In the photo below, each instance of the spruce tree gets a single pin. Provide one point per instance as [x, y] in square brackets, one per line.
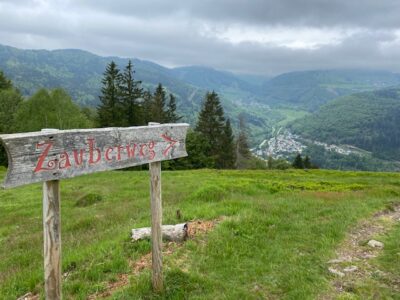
[5, 83]
[146, 107]
[270, 162]
[110, 109]
[298, 162]
[158, 113]
[243, 153]
[210, 124]
[307, 163]
[130, 91]
[171, 115]
[228, 158]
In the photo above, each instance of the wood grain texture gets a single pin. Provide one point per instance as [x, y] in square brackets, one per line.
[173, 233]
[43, 156]
[156, 222]
[52, 239]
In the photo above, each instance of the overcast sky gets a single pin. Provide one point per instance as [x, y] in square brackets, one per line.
[263, 37]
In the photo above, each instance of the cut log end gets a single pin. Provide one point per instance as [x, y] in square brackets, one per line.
[172, 233]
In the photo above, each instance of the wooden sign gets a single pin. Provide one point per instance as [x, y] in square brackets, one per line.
[53, 155]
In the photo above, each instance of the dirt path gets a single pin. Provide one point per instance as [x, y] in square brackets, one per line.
[352, 261]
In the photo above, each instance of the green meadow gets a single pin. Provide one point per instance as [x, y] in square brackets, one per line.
[275, 234]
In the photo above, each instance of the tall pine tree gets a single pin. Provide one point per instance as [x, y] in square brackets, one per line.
[298, 162]
[171, 115]
[146, 107]
[131, 91]
[307, 162]
[210, 125]
[243, 153]
[5, 83]
[228, 158]
[110, 111]
[158, 113]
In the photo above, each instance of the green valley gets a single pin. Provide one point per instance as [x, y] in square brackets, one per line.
[308, 103]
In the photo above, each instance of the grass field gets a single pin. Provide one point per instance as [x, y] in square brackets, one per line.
[277, 231]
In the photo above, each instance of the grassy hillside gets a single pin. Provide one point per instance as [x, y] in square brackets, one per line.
[311, 89]
[274, 234]
[367, 120]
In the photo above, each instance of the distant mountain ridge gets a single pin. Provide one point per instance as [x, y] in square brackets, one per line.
[326, 98]
[209, 78]
[80, 73]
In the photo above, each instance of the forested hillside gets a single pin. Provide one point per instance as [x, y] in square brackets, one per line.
[311, 89]
[266, 104]
[368, 120]
[80, 72]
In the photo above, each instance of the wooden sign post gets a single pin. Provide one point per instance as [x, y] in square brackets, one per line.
[156, 223]
[52, 236]
[51, 155]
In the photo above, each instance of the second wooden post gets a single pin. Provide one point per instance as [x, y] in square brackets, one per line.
[52, 239]
[156, 222]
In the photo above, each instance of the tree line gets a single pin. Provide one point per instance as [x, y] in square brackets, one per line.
[124, 102]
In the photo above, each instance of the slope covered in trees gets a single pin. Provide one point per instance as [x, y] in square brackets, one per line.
[80, 74]
[368, 120]
[311, 89]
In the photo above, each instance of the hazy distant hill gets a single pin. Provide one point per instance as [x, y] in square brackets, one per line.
[368, 120]
[209, 78]
[365, 120]
[311, 89]
[80, 73]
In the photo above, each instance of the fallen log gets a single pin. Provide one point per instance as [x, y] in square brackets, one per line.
[173, 233]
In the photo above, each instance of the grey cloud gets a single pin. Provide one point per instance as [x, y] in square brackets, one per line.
[360, 13]
[170, 32]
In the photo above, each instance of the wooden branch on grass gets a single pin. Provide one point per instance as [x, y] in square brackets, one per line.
[173, 233]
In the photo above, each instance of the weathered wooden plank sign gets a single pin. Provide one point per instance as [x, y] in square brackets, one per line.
[51, 155]
[43, 156]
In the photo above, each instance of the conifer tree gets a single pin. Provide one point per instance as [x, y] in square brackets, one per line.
[228, 158]
[298, 162]
[158, 113]
[210, 124]
[171, 115]
[130, 91]
[5, 83]
[110, 109]
[146, 107]
[307, 163]
[243, 153]
[270, 162]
